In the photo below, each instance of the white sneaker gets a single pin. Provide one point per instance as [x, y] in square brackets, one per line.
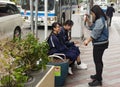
[70, 71]
[82, 66]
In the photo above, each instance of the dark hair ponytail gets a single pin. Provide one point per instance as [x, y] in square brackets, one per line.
[53, 26]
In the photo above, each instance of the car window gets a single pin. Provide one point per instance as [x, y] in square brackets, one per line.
[12, 9]
[3, 10]
[8, 9]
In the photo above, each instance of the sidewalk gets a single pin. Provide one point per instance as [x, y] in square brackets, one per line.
[111, 58]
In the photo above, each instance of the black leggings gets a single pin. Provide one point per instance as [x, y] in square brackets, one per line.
[98, 51]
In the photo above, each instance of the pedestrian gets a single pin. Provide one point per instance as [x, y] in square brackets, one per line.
[57, 45]
[109, 14]
[64, 33]
[99, 37]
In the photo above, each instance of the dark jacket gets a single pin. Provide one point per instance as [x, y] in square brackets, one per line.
[56, 44]
[64, 34]
[110, 11]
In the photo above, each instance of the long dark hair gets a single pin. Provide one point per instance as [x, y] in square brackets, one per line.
[98, 12]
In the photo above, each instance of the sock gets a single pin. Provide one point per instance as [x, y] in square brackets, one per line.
[70, 65]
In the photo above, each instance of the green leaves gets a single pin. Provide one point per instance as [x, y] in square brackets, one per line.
[19, 57]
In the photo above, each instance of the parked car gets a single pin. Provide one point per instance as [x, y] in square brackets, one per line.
[10, 20]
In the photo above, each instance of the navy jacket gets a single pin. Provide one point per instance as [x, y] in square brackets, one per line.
[64, 34]
[110, 11]
[56, 44]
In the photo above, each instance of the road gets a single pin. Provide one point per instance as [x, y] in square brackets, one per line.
[41, 33]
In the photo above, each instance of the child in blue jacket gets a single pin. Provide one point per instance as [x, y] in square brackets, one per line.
[57, 45]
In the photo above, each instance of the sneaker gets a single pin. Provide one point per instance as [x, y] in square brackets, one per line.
[70, 71]
[95, 83]
[82, 66]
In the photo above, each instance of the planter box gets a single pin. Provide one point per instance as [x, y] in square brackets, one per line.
[43, 78]
[62, 71]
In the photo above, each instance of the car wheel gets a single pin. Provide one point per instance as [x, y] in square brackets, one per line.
[17, 34]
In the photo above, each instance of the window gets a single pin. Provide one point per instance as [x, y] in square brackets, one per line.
[8, 9]
[12, 9]
[26, 4]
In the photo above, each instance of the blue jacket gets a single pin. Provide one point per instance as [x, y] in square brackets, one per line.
[64, 34]
[56, 44]
[99, 31]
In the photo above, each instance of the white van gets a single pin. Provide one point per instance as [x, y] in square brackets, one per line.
[10, 20]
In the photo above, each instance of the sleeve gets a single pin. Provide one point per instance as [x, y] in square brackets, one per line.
[92, 26]
[68, 43]
[97, 29]
[55, 43]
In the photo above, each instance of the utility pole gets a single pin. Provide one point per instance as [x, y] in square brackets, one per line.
[88, 7]
[31, 16]
[46, 15]
[36, 18]
[91, 4]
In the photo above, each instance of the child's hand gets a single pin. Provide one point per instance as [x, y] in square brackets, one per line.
[86, 42]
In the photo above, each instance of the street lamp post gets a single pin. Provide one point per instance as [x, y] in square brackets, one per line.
[31, 15]
[46, 24]
[36, 18]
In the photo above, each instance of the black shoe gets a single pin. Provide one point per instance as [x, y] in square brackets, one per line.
[95, 83]
[93, 77]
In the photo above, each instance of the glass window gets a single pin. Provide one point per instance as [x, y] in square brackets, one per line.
[3, 10]
[64, 2]
[74, 2]
[51, 4]
[26, 4]
[12, 9]
[41, 5]
[8, 9]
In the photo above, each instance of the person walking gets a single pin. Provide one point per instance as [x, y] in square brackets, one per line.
[109, 14]
[99, 37]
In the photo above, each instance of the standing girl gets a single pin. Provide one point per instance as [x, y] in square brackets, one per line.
[99, 38]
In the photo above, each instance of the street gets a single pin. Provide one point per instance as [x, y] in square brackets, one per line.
[41, 33]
